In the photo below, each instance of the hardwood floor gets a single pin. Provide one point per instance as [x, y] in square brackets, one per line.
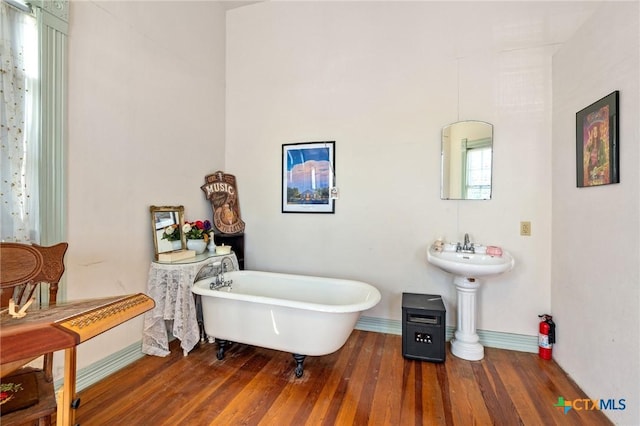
[367, 382]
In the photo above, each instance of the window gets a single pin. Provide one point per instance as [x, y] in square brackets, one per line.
[19, 151]
[33, 139]
[48, 115]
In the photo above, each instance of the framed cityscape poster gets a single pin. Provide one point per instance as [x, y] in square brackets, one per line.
[597, 143]
[308, 177]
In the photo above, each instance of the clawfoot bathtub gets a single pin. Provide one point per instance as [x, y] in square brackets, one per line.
[300, 314]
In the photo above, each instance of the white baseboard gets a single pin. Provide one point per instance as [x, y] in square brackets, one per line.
[491, 339]
[97, 371]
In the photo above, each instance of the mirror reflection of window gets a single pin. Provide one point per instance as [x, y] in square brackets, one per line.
[164, 219]
[478, 172]
[466, 161]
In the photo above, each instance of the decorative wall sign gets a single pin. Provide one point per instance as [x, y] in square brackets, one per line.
[220, 188]
[597, 143]
[308, 177]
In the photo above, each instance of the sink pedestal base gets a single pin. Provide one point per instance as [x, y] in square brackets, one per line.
[465, 343]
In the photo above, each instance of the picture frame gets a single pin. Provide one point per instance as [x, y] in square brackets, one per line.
[308, 177]
[597, 143]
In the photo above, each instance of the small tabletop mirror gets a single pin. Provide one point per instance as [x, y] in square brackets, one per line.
[166, 225]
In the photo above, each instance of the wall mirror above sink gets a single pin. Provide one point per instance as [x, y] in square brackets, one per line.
[466, 161]
[166, 226]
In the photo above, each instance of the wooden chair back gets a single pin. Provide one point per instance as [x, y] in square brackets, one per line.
[22, 268]
[52, 268]
[19, 265]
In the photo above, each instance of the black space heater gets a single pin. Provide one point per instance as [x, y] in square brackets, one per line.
[423, 327]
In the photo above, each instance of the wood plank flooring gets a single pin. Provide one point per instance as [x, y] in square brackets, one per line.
[366, 382]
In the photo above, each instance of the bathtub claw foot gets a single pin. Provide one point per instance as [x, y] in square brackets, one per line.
[222, 344]
[299, 367]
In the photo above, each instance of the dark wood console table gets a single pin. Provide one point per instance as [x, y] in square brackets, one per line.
[236, 241]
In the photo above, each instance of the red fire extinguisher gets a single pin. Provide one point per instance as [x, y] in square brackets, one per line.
[546, 336]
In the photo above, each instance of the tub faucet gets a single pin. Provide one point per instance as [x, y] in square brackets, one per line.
[224, 266]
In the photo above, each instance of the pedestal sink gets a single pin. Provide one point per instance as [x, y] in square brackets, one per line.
[466, 269]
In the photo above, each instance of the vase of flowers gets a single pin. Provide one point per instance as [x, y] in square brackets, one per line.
[197, 234]
[172, 234]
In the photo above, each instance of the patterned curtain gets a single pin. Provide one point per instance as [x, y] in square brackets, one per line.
[18, 123]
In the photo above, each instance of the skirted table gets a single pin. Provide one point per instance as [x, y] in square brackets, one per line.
[169, 285]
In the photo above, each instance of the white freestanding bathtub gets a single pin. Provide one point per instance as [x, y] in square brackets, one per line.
[304, 315]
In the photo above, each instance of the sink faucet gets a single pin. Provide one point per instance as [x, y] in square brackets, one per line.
[220, 268]
[467, 247]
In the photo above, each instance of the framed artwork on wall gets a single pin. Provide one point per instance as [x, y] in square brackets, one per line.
[598, 143]
[308, 175]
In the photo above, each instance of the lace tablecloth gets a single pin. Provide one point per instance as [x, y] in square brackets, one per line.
[169, 285]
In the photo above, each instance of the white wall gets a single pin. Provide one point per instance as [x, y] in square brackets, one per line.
[382, 79]
[146, 124]
[596, 231]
